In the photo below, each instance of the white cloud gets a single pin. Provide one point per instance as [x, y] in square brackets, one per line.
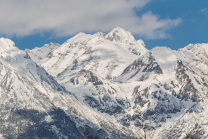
[68, 17]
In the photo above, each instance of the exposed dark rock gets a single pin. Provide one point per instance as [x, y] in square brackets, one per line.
[103, 105]
[120, 101]
[92, 102]
[148, 66]
[187, 91]
[125, 120]
[50, 54]
[106, 98]
[152, 65]
[144, 77]
[91, 78]
[27, 56]
[75, 64]
[136, 90]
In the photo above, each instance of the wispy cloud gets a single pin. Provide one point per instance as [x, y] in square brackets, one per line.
[68, 17]
[203, 10]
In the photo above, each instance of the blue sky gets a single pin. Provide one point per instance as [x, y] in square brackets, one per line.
[171, 23]
[193, 27]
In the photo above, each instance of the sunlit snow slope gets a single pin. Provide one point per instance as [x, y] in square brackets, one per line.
[37, 54]
[125, 40]
[91, 52]
[117, 78]
[161, 86]
[197, 55]
[34, 105]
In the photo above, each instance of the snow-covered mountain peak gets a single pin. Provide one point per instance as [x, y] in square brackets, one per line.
[78, 38]
[189, 47]
[31, 96]
[141, 42]
[167, 59]
[162, 80]
[163, 55]
[119, 34]
[88, 52]
[84, 44]
[197, 55]
[51, 45]
[195, 48]
[121, 37]
[158, 61]
[100, 34]
[160, 48]
[39, 53]
[162, 52]
[126, 40]
[113, 87]
[6, 45]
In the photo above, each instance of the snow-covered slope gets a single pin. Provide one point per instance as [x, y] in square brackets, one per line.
[89, 52]
[195, 48]
[162, 86]
[83, 63]
[194, 122]
[197, 55]
[37, 54]
[101, 95]
[34, 105]
[126, 40]
[119, 85]
[6, 44]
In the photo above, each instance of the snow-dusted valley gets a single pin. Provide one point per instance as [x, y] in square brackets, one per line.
[107, 84]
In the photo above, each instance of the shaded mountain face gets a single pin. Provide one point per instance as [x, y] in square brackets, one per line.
[34, 104]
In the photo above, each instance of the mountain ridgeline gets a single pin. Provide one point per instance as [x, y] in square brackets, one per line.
[106, 84]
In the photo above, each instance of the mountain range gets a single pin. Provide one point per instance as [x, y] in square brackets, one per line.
[107, 84]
